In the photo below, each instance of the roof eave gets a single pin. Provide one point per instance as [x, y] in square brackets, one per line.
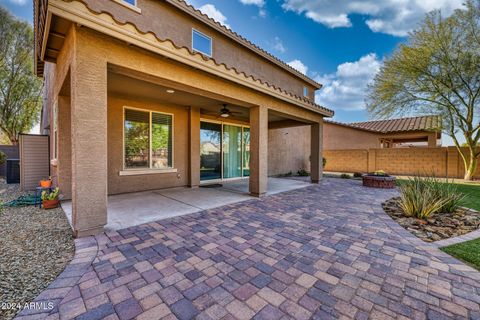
[189, 9]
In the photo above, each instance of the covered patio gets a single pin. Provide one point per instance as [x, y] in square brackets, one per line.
[131, 209]
[123, 127]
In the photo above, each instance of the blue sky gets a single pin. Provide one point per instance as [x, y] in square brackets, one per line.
[339, 43]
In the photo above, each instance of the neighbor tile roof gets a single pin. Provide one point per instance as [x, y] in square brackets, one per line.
[423, 123]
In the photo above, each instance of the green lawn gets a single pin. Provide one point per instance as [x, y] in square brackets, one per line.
[468, 252]
[471, 191]
[472, 198]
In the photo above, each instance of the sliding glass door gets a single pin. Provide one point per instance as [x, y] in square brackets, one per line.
[224, 151]
[232, 151]
[246, 152]
[210, 151]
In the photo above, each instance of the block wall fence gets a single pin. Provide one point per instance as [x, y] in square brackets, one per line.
[443, 162]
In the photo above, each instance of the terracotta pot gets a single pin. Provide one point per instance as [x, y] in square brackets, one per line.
[45, 183]
[50, 204]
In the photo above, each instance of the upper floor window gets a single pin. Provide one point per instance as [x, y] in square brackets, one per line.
[201, 43]
[130, 4]
[305, 92]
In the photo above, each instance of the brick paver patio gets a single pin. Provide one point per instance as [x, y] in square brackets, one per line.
[321, 252]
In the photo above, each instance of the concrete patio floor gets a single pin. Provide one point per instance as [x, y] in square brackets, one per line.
[327, 251]
[131, 209]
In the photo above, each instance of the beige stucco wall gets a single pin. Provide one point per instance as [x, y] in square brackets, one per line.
[288, 150]
[122, 184]
[444, 161]
[168, 22]
[337, 137]
[96, 125]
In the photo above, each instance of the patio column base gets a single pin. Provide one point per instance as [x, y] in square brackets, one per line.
[257, 195]
[87, 232]
[315, 181]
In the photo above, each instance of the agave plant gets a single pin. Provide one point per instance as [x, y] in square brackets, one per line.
[422, 197]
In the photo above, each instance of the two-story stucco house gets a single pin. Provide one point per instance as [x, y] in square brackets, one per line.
[150, 94]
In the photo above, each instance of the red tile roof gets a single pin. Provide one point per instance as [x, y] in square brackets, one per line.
[423, 123]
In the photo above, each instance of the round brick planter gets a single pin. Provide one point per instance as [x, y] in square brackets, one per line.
[383, 182]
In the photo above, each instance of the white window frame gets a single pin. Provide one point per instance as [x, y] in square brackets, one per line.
[129, 5]
[203, 35]
[137, 171]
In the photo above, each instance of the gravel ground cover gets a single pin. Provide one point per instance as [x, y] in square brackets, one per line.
[439, 226]
[35, 246]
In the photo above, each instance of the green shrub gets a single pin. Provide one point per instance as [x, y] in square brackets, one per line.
[50, 195]
[3, 157]
[303, 173]
[380, 173]
[422, 197]
[357, 174]
[345, 176]
[446, 190]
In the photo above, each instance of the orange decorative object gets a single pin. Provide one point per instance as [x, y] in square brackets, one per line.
[45, 183]
[50, 204]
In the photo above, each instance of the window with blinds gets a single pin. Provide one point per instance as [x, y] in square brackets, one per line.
[148, 140]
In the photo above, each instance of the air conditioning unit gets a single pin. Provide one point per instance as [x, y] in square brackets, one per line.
[13, 171]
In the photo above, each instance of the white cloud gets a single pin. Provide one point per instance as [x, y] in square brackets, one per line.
[394, 17]
[298, 65]
[19, 2]
[258, 3]
[277, 45]
[214, 13]
[345, 88]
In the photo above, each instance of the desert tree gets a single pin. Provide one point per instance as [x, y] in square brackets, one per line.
[437, 71]
[20, 89]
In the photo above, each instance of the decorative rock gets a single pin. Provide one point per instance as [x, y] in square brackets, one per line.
[36, 246]
[437, 227]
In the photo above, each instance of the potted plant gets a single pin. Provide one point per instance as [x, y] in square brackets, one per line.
[50, 199]
[46, 183]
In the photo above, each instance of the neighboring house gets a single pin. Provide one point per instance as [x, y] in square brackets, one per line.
[409, 132]
[141, 94]
[406, 132]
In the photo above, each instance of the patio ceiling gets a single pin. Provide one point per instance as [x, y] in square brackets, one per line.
[125, 86]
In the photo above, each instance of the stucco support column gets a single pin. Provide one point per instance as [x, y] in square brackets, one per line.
[89, 142]
[64, 157]
[316, 148]
[258, 151]
[432, 140]
[194, 143]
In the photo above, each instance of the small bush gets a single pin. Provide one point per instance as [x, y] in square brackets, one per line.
[324, 161]
[303, 173]
[380, 173]
[288, 174]
[357, 174]
[422, 197]
[345, 176]
[3, 157]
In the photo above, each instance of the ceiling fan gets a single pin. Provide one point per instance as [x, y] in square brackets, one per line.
[225, 112]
